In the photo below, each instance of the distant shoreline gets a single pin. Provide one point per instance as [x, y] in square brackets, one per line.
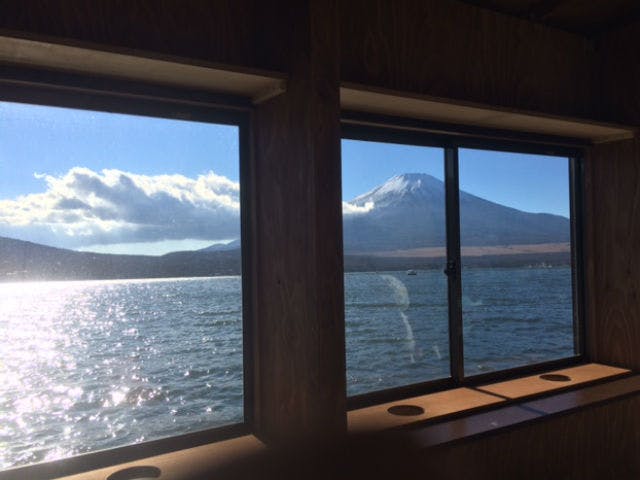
[476, 251]
[26, 261]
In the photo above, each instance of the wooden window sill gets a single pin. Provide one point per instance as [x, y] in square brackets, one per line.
[197, 462]
[463, 401]
[449, 416]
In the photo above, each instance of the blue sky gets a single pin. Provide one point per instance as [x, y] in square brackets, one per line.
[128, 184]
[532, 183]
[165, 178]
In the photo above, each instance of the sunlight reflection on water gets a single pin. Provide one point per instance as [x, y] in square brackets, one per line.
[97, 364]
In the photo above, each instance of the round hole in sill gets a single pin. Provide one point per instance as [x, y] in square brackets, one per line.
[405, 410]
[555, 377]
[136, 473]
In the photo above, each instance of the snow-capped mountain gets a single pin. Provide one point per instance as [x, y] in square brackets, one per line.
[408, 211]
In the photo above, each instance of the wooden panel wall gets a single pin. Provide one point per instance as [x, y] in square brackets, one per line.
[213, 30]
[617, 88]
[595, 444]
[455, 50]
[614, 259]
[436, 47]
[301, 386]
[614, 206]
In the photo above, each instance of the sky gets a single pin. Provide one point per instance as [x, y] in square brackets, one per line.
[116, 183]
[532, 183]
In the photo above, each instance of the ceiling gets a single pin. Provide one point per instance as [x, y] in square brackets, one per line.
[584, 17]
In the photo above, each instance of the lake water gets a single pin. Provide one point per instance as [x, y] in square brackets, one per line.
[86, 366]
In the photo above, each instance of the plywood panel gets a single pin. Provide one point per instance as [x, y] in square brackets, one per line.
[594, 444]
[435, 405]
[300, 369]
[213, 30]
[191, 463]
[402, 104]
[453, 50]
[617, 94]
[533, 385]
[613, 255]
[256, 85]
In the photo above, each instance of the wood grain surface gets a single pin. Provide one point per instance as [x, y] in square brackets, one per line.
[435, 405]
[613, 253]
[597, 443]
[300, 369]
[213, 30]
[534, 385]
[450, 49]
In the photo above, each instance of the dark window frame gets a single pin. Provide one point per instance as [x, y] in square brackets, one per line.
[451, 138]
[77, 91]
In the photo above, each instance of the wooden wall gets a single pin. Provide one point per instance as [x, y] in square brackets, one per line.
[301, 387]
[599, 443]
[614, 206]
[455, 50]
[435, 47]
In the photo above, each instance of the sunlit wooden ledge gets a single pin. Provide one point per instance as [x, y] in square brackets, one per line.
[463, 401]
[197, 462]
[258, 85]
[372, 100]
[566, 378]
[450, 416]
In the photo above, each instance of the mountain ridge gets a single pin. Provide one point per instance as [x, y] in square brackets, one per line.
[408, 211]
[404, 214]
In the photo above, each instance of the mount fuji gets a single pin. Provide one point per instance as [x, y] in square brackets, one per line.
[408, 211]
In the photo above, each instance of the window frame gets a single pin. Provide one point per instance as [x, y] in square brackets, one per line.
[451, 138]
[79, 91]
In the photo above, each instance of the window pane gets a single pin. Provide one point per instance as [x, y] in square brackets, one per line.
[516, 258]
[394, 242]
[120, 301]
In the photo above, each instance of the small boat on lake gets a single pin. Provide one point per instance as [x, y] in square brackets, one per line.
[411, 272]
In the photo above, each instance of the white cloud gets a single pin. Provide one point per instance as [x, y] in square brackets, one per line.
[83, 207]
[351, 209]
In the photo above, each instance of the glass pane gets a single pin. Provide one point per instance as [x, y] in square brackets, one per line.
[516, 257]
[394, 252]
[120, 293]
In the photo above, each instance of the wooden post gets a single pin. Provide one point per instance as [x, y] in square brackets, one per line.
[299, 349]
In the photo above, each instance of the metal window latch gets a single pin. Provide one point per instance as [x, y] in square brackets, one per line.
[451, 268]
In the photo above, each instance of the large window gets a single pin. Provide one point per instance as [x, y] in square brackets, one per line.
[460, 263]
[120, 278]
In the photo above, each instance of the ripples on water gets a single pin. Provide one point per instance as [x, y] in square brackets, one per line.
[93, 365]
[398, 328]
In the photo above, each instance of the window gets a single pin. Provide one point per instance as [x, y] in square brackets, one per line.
[121, 294]
[461, 262]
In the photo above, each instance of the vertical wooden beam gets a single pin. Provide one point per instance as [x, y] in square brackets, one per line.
[300, 351]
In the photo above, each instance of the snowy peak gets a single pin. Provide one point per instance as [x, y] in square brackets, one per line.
[404, 186]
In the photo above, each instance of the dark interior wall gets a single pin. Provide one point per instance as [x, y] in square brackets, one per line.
[301, 387]
[455, 50]
[435, 47]
[211, 30]
[614, 205]
[600, 443]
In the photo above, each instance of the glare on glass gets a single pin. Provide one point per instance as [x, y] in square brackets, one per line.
[120, 290]
[515, 234]
[396, 309]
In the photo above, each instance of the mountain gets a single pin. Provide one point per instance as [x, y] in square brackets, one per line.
[221, 247]
[401, 226]
[20, 260]
[408, 212]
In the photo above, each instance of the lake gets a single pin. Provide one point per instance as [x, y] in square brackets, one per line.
[92, 365]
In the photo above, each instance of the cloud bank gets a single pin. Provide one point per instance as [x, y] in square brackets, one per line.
[352, 209]
[84, 207]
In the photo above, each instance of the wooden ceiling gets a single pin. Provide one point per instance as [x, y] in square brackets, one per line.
[584, 17]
